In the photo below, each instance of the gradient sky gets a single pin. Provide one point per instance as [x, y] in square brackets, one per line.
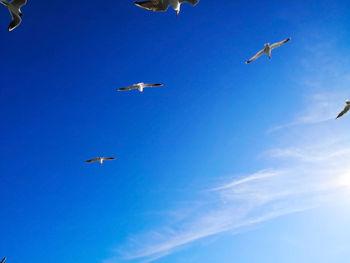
[226, 163]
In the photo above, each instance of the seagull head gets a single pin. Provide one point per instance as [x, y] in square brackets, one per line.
[267, 45]
[177, 8]
[347, 102]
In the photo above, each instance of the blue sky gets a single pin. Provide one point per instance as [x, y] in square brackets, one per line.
[226, 163]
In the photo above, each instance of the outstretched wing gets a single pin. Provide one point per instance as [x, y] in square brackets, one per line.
[256, 56]
[19, 3]
[108, 158]
[346, 109]
[153, 85]
[128, 88]
[92, 160]
[16, 21]
[153, 5]
[278, 44]
[192, 2]
[3, 260]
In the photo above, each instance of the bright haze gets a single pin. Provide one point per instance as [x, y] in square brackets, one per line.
[226, 163]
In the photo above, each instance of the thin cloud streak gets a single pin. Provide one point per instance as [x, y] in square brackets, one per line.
[320, 107]
[257, 176]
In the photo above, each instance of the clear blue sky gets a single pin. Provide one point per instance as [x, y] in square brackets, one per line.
[226, 163]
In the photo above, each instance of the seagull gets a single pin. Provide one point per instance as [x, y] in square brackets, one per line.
[140, 86]
[346, 109]
[16, 13]
[100, 159]
[3, 260]
[163, 5]
[267, 50]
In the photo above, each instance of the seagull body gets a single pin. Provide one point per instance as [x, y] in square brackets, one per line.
[163, 5]
[140, 86]
[100, 159]
[14, 8]
[3, 260]
[267, 50]
[346, 109]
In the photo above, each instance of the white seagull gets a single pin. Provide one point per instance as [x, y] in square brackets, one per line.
[140, 86]
[267, 50]
[16, 13]
[3, 260]
[346, 109]
[100, 159]
[163, 5]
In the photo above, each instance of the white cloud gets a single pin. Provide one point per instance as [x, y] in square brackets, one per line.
[309, 181]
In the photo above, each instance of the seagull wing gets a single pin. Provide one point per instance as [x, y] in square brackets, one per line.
[346, 109]
[92, 160]
[278, 44]
[19, 3]
[153, 85]
[3, 260]
[16, 21]
[153, 5]
[128, 88]
[256, 56]
[192, 2]
[108, 158]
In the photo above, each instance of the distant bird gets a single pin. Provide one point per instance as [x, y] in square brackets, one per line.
[163, 5]
[100, 159]
[267, 50]
[3, 260]
[140, 86]
[14, 8]
[346, 109]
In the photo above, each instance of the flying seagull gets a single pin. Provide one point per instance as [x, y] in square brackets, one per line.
[100, 159]
[15, 11]
[346, 109]
[267, 50]
[3, 260]
[163, 5]
[140, 86]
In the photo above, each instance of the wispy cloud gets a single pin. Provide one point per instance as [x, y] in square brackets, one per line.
[254, 177]
[301, 174]
[317, 174]
[325, 80]
[319, 107]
